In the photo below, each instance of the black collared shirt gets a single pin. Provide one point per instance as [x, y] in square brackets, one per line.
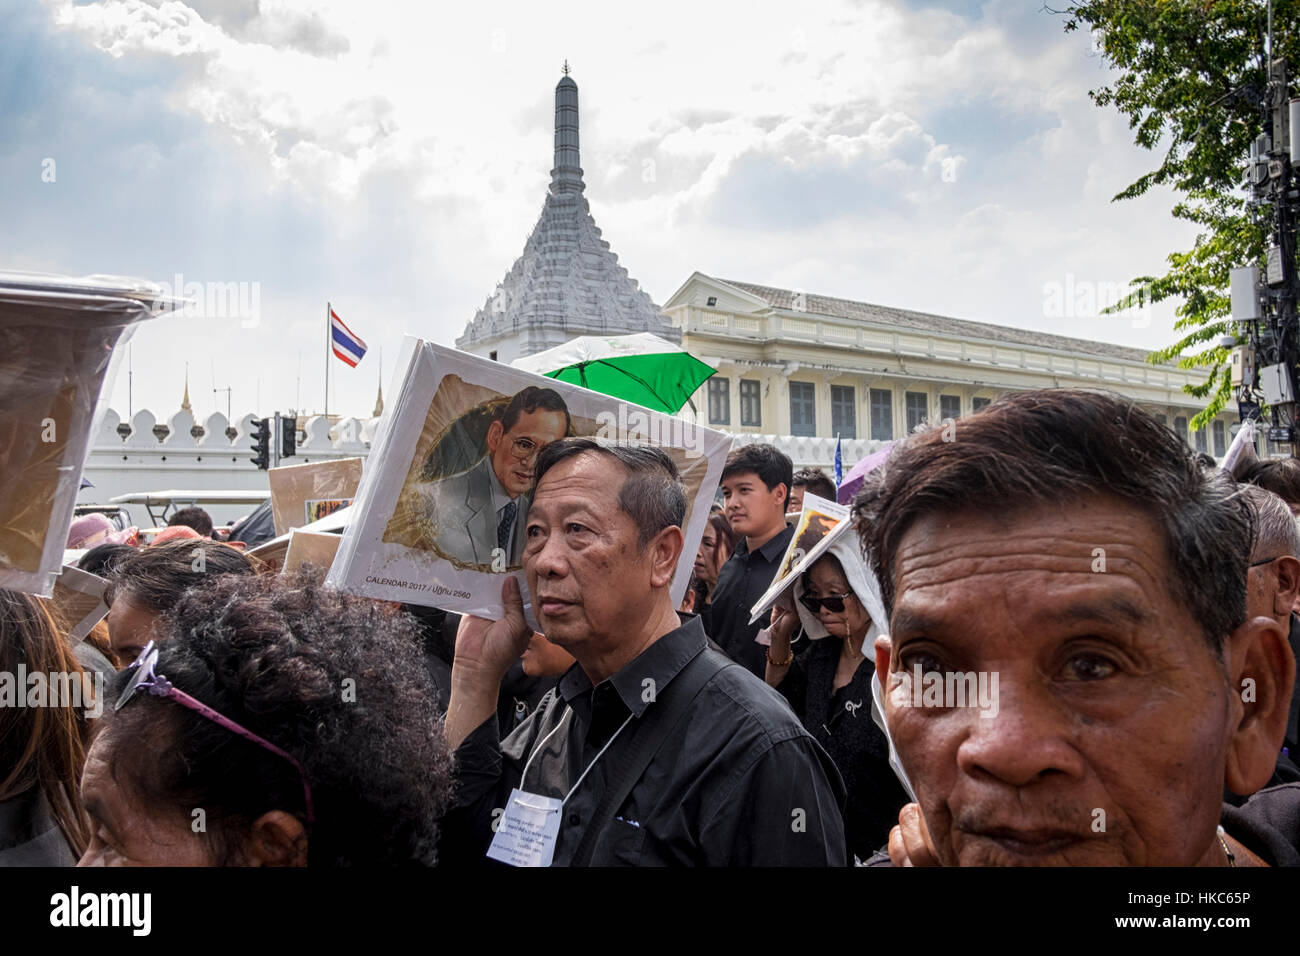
[740, 783]
[841, 722]
[741, 582]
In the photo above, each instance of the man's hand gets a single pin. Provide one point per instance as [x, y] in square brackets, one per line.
[488, 648]
[909, 842]
[484, 652]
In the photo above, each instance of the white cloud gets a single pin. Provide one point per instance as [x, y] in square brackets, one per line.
[972, 166]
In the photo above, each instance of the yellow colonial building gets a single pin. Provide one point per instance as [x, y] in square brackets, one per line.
[803, 369]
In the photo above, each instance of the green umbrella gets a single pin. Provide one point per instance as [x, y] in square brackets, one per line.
[642, 368]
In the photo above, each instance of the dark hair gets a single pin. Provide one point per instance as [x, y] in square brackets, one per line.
[43, 746]
[336, 680]
[1282, 477]
[652, 494]
[102, 559]
[1054, 446]
[726, 533]
[701, 589]
[154, 578]
[195, 518]
[805, 579]
[771, 465]
[816, 481]
[530, 400]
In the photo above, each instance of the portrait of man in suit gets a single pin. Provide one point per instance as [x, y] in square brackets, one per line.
[483, 508]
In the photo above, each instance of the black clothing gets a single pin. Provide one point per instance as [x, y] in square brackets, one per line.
[841, 722]
[519, 697]
[741, 582]
[740, 782]
[1268, 825]
[1288, 762]
[257, 528]
[29, 835]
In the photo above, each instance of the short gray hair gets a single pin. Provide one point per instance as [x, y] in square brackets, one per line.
[1276, 533]
[652, 494]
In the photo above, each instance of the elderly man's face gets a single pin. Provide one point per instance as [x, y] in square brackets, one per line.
[585, 572]
[515, 451]
[1109, 739]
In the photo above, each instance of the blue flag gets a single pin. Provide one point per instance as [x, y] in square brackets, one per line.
[839, 463]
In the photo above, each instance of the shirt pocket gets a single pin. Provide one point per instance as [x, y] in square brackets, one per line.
[622, 844]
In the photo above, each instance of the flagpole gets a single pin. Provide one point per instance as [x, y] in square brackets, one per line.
[328, 335]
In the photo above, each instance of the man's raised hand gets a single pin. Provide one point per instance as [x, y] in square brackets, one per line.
[488, 648]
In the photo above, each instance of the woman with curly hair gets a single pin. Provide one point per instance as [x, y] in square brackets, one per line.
[42, 747]
[279, 724]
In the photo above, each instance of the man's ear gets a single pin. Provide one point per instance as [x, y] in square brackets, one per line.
[665, 549]
[1261, 675]
[884, 649]
[1287, 570]
[277, 839]
[494, 434]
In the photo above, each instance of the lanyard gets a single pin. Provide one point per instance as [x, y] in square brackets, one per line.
[538, 748]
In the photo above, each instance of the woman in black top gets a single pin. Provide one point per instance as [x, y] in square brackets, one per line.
[828, 685]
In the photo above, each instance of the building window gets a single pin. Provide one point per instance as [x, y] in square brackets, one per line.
[803, 408]
[949, 407]
[977, 403]
[918, 409]
[751, 402]
[844, 411]
[882, 414]
[1202, 441]
[719, 401]
[712, 301]
[1220, 439]
[1180, 427]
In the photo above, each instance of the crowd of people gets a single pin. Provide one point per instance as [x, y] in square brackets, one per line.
[1056, 636]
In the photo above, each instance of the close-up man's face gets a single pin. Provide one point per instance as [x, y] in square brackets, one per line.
[582, 562]
[750, 505]
[796, 500]
[1108, 741]
[515, 451]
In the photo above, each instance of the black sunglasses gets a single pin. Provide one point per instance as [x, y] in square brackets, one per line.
[834, 603]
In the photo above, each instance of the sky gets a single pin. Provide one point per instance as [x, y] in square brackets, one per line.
[391, 158]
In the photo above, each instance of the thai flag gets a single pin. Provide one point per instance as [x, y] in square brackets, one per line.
[347, 346]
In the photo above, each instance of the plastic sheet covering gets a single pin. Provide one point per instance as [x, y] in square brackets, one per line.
[301, 494]
[58, 340]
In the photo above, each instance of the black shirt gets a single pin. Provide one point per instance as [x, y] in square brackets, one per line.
[741, 582]
[743, 784]
[841, 722]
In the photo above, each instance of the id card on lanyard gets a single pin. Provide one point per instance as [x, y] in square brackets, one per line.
[530, 825]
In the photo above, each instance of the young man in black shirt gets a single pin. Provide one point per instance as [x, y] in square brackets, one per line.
[755, 486]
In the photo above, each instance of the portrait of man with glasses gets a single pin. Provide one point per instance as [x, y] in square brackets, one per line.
[482, 509]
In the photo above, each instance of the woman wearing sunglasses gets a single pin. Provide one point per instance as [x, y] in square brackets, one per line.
[280, 724]
[828, 683]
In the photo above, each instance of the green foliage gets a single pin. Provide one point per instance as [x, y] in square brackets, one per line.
[1190, 76]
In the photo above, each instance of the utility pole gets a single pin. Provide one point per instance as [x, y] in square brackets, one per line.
[275, 442]
[1264, 366]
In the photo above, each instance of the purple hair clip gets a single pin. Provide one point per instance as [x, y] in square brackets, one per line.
[159, 686]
